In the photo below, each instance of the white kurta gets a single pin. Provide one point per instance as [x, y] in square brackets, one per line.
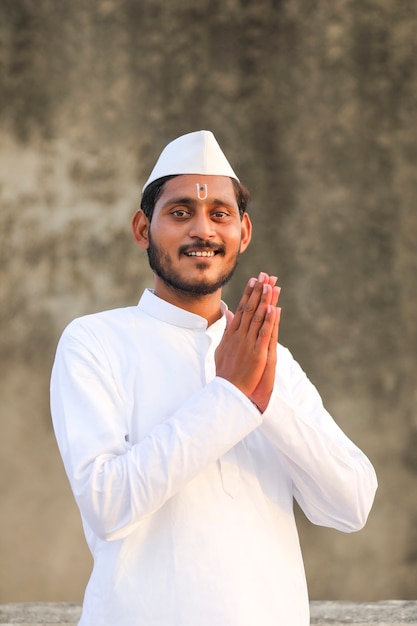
[185, 489]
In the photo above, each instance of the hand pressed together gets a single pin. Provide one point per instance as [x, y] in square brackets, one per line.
[246, 355]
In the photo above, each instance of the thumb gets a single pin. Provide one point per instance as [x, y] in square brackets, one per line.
[229, 318]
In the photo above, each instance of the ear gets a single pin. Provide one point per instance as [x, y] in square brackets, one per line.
[140, 229]
[246, 230]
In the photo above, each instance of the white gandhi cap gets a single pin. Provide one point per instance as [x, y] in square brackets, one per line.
[194, 153]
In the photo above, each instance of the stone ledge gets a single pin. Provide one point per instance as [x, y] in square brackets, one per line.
[40, 613]
[387, 613]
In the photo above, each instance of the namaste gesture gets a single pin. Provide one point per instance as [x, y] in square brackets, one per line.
[247, 354]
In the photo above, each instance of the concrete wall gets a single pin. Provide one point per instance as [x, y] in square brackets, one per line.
[315, 104]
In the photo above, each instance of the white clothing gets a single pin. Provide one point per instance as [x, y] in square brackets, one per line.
[184, 487]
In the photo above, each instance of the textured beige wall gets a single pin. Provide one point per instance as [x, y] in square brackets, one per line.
[315, 104]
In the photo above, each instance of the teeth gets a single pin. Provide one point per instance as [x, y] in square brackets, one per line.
[201, 253]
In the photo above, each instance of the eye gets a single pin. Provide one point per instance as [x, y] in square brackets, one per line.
[180, 213]
[219, 215]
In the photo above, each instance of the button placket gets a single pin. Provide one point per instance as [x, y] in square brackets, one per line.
[228, 463]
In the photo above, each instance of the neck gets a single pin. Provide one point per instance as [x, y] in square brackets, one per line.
[205, 306]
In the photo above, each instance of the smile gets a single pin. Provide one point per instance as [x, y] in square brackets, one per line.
[205, 253]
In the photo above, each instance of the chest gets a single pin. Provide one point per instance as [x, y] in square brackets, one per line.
[159, 373]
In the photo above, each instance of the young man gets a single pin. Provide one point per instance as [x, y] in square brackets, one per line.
[186, 431]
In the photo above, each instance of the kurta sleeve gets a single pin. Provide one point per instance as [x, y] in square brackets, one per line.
[334, 482]
[116, 484]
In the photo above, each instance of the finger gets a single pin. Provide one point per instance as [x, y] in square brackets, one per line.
[263, 392]
[251, 299]
[275, 331]
[266, 328]
[262, 323]
[243, 301]
[272, 346]
[255, 308]
[275, 295]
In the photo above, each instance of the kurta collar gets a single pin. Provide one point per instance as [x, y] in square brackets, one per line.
[150, 304]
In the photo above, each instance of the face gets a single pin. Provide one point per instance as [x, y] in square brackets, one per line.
[196, 235]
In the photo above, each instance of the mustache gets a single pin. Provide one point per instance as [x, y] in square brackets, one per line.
[202, 245]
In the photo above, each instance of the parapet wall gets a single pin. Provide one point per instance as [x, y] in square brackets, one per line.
[389, 613]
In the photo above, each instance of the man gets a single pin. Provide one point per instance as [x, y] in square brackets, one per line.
[186, 431]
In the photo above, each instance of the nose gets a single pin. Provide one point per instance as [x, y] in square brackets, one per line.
[201, 226]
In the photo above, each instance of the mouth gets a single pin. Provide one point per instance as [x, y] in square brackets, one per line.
[202, 251]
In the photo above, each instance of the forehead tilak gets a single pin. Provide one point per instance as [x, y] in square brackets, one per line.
[202, 191]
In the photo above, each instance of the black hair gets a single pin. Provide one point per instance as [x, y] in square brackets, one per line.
[155, 188]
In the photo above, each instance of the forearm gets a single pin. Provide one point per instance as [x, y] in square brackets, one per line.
[334, 482]
[116, 484]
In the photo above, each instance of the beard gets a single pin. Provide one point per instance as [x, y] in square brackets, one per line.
[161, 264]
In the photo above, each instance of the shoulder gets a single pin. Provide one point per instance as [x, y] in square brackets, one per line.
[103, 323]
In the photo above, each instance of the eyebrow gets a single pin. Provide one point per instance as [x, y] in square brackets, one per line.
[191, 202]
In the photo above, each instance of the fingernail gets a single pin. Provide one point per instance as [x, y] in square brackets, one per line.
[265, 289]
[252, 283]
[261, 277]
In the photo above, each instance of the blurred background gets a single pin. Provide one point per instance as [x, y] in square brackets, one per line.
[314, 103]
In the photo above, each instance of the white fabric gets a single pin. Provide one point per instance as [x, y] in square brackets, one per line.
[194, 153]
[185, 489]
